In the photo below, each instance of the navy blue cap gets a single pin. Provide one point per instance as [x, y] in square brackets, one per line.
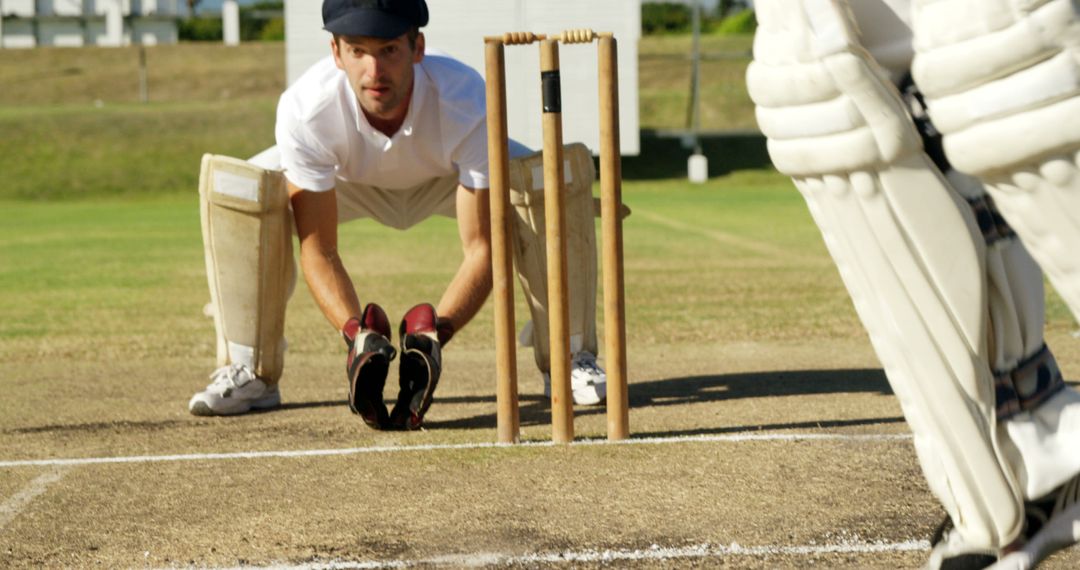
[376, 18]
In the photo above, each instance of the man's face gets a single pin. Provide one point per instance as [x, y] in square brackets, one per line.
[380, 71]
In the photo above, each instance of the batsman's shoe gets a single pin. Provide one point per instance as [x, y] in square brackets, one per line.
[1053, 523]
[421, 364]
[949, 552]
[234, 389]
[588, 382]
[1050, 524]
[370, 353]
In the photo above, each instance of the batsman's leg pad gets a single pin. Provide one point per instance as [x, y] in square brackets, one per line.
[1009, 72]
[421, 366]
[368, 362]
[943, 383]
[1034, 439]
[527, 196]
[1005, 72]
[247, 239]
[906, 245]
[1002, 80]
[1037, 415]
[1042, 203]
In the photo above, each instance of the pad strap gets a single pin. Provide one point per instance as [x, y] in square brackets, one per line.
[1027, 386]
[993, 226]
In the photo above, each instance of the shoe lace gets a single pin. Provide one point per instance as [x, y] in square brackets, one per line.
[587, 361]
[235, 375]
[1068, 495]
[1038, 512]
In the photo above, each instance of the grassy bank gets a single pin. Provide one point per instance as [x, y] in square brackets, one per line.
[175, 73]
[664, 69]
[74, 127]
[79, 151]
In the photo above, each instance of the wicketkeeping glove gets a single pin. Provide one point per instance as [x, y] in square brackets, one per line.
[370, 353]
[421, 364]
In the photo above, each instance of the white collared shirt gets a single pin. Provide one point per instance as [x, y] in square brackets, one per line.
[323, 136]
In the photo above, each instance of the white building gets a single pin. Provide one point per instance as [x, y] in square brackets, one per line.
[74, 23]
[458, 27]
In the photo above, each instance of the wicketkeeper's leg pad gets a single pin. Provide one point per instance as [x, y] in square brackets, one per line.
[247, 239]
[530, 253]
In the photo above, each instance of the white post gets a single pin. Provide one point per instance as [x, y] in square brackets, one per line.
[697, 165]
[1, 24]
[144, 87]
[230, 22]
[114, 24]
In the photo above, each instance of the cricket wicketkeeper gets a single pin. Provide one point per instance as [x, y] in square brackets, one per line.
[387, 130]
[926, 231]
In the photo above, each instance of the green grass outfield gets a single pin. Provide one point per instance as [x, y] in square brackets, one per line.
[735, 259]
[132, 150]
[738, 251]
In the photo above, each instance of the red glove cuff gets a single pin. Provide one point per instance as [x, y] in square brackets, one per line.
[445, 329]
[349, 331]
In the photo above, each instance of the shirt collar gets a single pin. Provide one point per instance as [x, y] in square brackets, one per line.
[420, 85]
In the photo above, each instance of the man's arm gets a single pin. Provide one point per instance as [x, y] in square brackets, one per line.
[317, 226]
[472, 283]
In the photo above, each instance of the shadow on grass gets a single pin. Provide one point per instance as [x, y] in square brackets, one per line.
[663, 155]
[304, 405]
[703, 389]
[698, 389]
[768, 427]
[668, 392]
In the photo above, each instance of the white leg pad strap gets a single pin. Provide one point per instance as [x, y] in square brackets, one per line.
[247, 241]
[527, 196]
[906, 244]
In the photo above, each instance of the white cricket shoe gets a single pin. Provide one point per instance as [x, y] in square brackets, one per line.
[1052, 524]
[234, 389]
[588, 382]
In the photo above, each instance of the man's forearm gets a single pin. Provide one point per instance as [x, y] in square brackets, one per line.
[316, 225]
[330, 286]
[468, 290]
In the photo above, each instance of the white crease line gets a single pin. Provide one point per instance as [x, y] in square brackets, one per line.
[731, 438]
[656, 553]
[15, 505]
